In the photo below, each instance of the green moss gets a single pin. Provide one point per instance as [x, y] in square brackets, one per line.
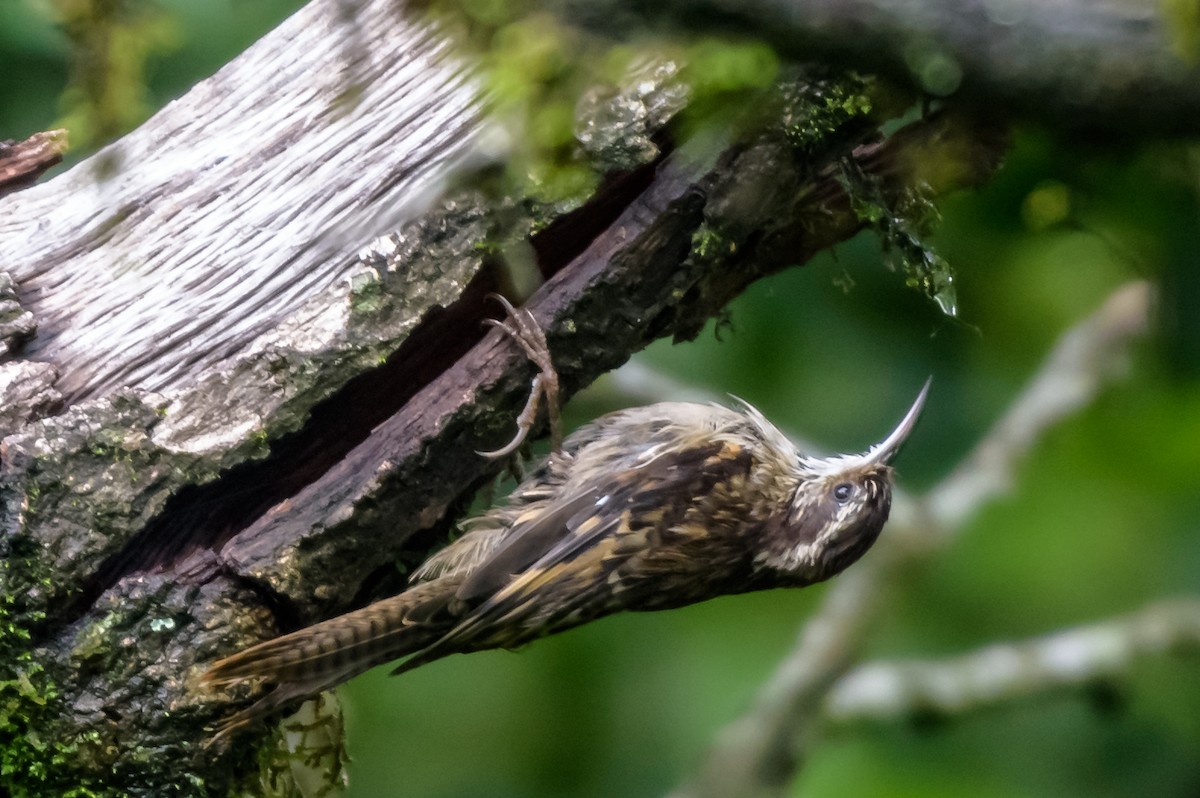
[717, 67]
[707, 243]
[813, 109]
[29, 763]
[903, 225]
[366, 294]
[40, 753]
[94, 642]
[535, 69]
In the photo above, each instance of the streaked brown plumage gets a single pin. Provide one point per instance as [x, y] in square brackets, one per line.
[643, 509]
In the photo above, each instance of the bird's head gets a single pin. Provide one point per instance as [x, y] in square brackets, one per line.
[837, 509]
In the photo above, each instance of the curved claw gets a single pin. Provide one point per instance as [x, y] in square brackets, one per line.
[507, 449]
[522, 328]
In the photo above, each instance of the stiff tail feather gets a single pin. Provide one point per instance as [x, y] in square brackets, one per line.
[322, 656]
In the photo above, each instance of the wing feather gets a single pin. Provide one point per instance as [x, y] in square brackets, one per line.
[553, 570]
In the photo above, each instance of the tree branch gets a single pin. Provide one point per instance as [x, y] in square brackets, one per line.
[1111, 66]
[174, 249]
[1086, 357]
[893, 690]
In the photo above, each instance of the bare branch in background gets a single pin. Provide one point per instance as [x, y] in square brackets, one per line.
[1072, 658]
[760, 753]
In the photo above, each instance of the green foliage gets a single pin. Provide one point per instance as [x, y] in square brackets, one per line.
[110, 43]
[544, 79]
[1183, 29]
[34, 760]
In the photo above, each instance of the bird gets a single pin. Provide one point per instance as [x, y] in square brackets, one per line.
[647, 508]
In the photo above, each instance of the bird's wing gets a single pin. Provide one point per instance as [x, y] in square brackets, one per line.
[536, 532]
[556, 562]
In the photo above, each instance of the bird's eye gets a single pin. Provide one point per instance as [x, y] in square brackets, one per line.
[843, 492]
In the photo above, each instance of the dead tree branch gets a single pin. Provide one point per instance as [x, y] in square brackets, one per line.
[890, 691]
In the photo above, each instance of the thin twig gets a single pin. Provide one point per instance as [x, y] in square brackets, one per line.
[1068, 659]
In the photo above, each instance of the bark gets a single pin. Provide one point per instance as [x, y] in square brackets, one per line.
[230, 421]
[21, 162]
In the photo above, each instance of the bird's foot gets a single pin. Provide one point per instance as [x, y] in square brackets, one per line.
[521, 327]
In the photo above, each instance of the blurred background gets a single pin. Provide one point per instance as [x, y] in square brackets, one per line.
[1101, 520]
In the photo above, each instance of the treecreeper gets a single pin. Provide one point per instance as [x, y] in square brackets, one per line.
[643, 509]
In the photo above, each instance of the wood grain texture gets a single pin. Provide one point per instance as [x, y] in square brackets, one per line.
[178, 246]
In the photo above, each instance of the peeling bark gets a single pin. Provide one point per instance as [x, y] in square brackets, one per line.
[22, 162]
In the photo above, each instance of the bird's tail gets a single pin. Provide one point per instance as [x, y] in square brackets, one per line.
[322, 656]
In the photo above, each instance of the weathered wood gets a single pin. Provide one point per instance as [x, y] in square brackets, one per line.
[177, 247]
[257, 421]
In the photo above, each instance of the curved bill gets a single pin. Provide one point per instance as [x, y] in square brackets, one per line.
[886, 449]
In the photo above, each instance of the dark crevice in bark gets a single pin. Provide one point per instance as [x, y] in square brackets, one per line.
[569, 235]
[204, 517]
